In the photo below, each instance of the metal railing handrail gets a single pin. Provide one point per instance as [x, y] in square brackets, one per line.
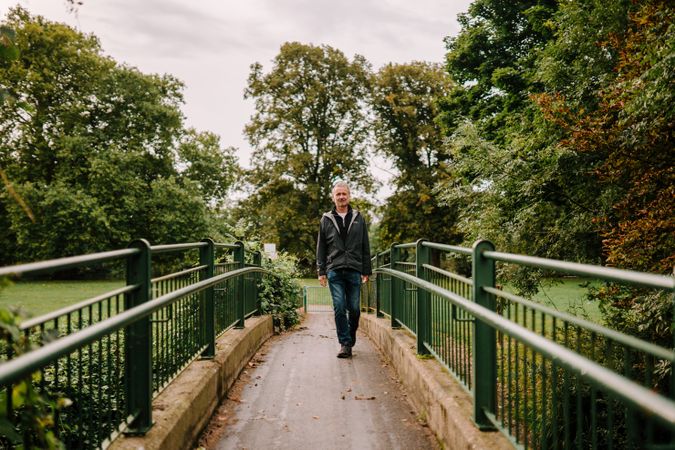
[447, 248]
[630, 392]
[178, 274]
[228, 246]
[586, 270]
[406, 245]
[604, 273]
[454, 276]
[67, 262]
[165, 248]
[15, 369]
[27, 324]
[631, 341]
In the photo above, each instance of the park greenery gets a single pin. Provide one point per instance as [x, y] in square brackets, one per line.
[548, 130]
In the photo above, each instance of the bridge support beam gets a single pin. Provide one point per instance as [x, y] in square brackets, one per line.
[484, 338]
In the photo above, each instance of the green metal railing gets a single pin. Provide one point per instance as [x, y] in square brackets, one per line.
[545, 378]
[112, 354]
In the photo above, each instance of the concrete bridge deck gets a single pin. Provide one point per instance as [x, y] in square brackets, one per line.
[297, 395]
[290, 395]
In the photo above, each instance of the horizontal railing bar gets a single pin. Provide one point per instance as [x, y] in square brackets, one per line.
[635, 395]
[406, 263]
[226, 264]
[447, 248]
[229, 246]
[165, 248]
[178, 274]
[605, 273]
[406, 245]
[454, 276]
[616, 336]
[14, 370]
[53, 265]
[72, 308]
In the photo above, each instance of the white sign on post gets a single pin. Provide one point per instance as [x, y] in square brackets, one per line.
[270, 250]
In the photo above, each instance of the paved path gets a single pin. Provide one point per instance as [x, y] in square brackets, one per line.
[300, 396]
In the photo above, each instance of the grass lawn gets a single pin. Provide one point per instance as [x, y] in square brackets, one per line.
[562, 294]
[40, 297]
[308, 282]
[567, 294]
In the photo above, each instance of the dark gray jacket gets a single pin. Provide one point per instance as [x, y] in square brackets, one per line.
[333, 253]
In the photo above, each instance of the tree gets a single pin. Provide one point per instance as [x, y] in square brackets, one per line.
[510, 180]
[405, 105]
[203, 161]
[628, 127]
[95, 148]
[493, 61]
[309, 127]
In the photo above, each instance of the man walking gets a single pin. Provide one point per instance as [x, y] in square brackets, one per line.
[343, 261]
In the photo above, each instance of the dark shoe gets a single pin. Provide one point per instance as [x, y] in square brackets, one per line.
[345, 352]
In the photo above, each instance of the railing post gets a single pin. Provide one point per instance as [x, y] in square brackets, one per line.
[239, 255]
[378, 288]
[138, 342]
[257, 261]
[207, 258]
[423, 256]
[395, 287]
[484, 339]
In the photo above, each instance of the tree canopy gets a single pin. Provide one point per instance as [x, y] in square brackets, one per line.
[98, 150]
[309, 128]
[405, 107]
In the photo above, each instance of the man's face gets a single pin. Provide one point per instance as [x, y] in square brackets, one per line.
[341, 196]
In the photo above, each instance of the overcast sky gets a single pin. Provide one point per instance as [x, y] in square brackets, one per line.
[210, 44]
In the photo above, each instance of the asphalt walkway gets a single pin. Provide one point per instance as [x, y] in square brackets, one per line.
[297, 395]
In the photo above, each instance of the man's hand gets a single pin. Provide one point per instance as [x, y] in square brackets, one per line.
[364, 278]
[322, 280]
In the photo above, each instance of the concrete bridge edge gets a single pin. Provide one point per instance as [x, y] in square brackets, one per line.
[184, 408]
[438, 399]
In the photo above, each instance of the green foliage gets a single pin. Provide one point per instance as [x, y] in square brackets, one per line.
[560, 139]
[201, 160]
[30, 423]
[309, 127]
[280, 293]
[404, 101]
[98, 150]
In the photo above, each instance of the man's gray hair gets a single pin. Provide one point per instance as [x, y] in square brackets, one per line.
[342, 184]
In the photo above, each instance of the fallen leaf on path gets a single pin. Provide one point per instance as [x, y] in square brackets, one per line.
[315, 417]
[363, 397]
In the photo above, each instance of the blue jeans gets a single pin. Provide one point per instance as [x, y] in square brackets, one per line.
[345, 288]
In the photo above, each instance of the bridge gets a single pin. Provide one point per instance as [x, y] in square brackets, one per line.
[531, 376]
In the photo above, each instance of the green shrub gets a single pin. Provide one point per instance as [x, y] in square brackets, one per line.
[30, 423]
[280, 293]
